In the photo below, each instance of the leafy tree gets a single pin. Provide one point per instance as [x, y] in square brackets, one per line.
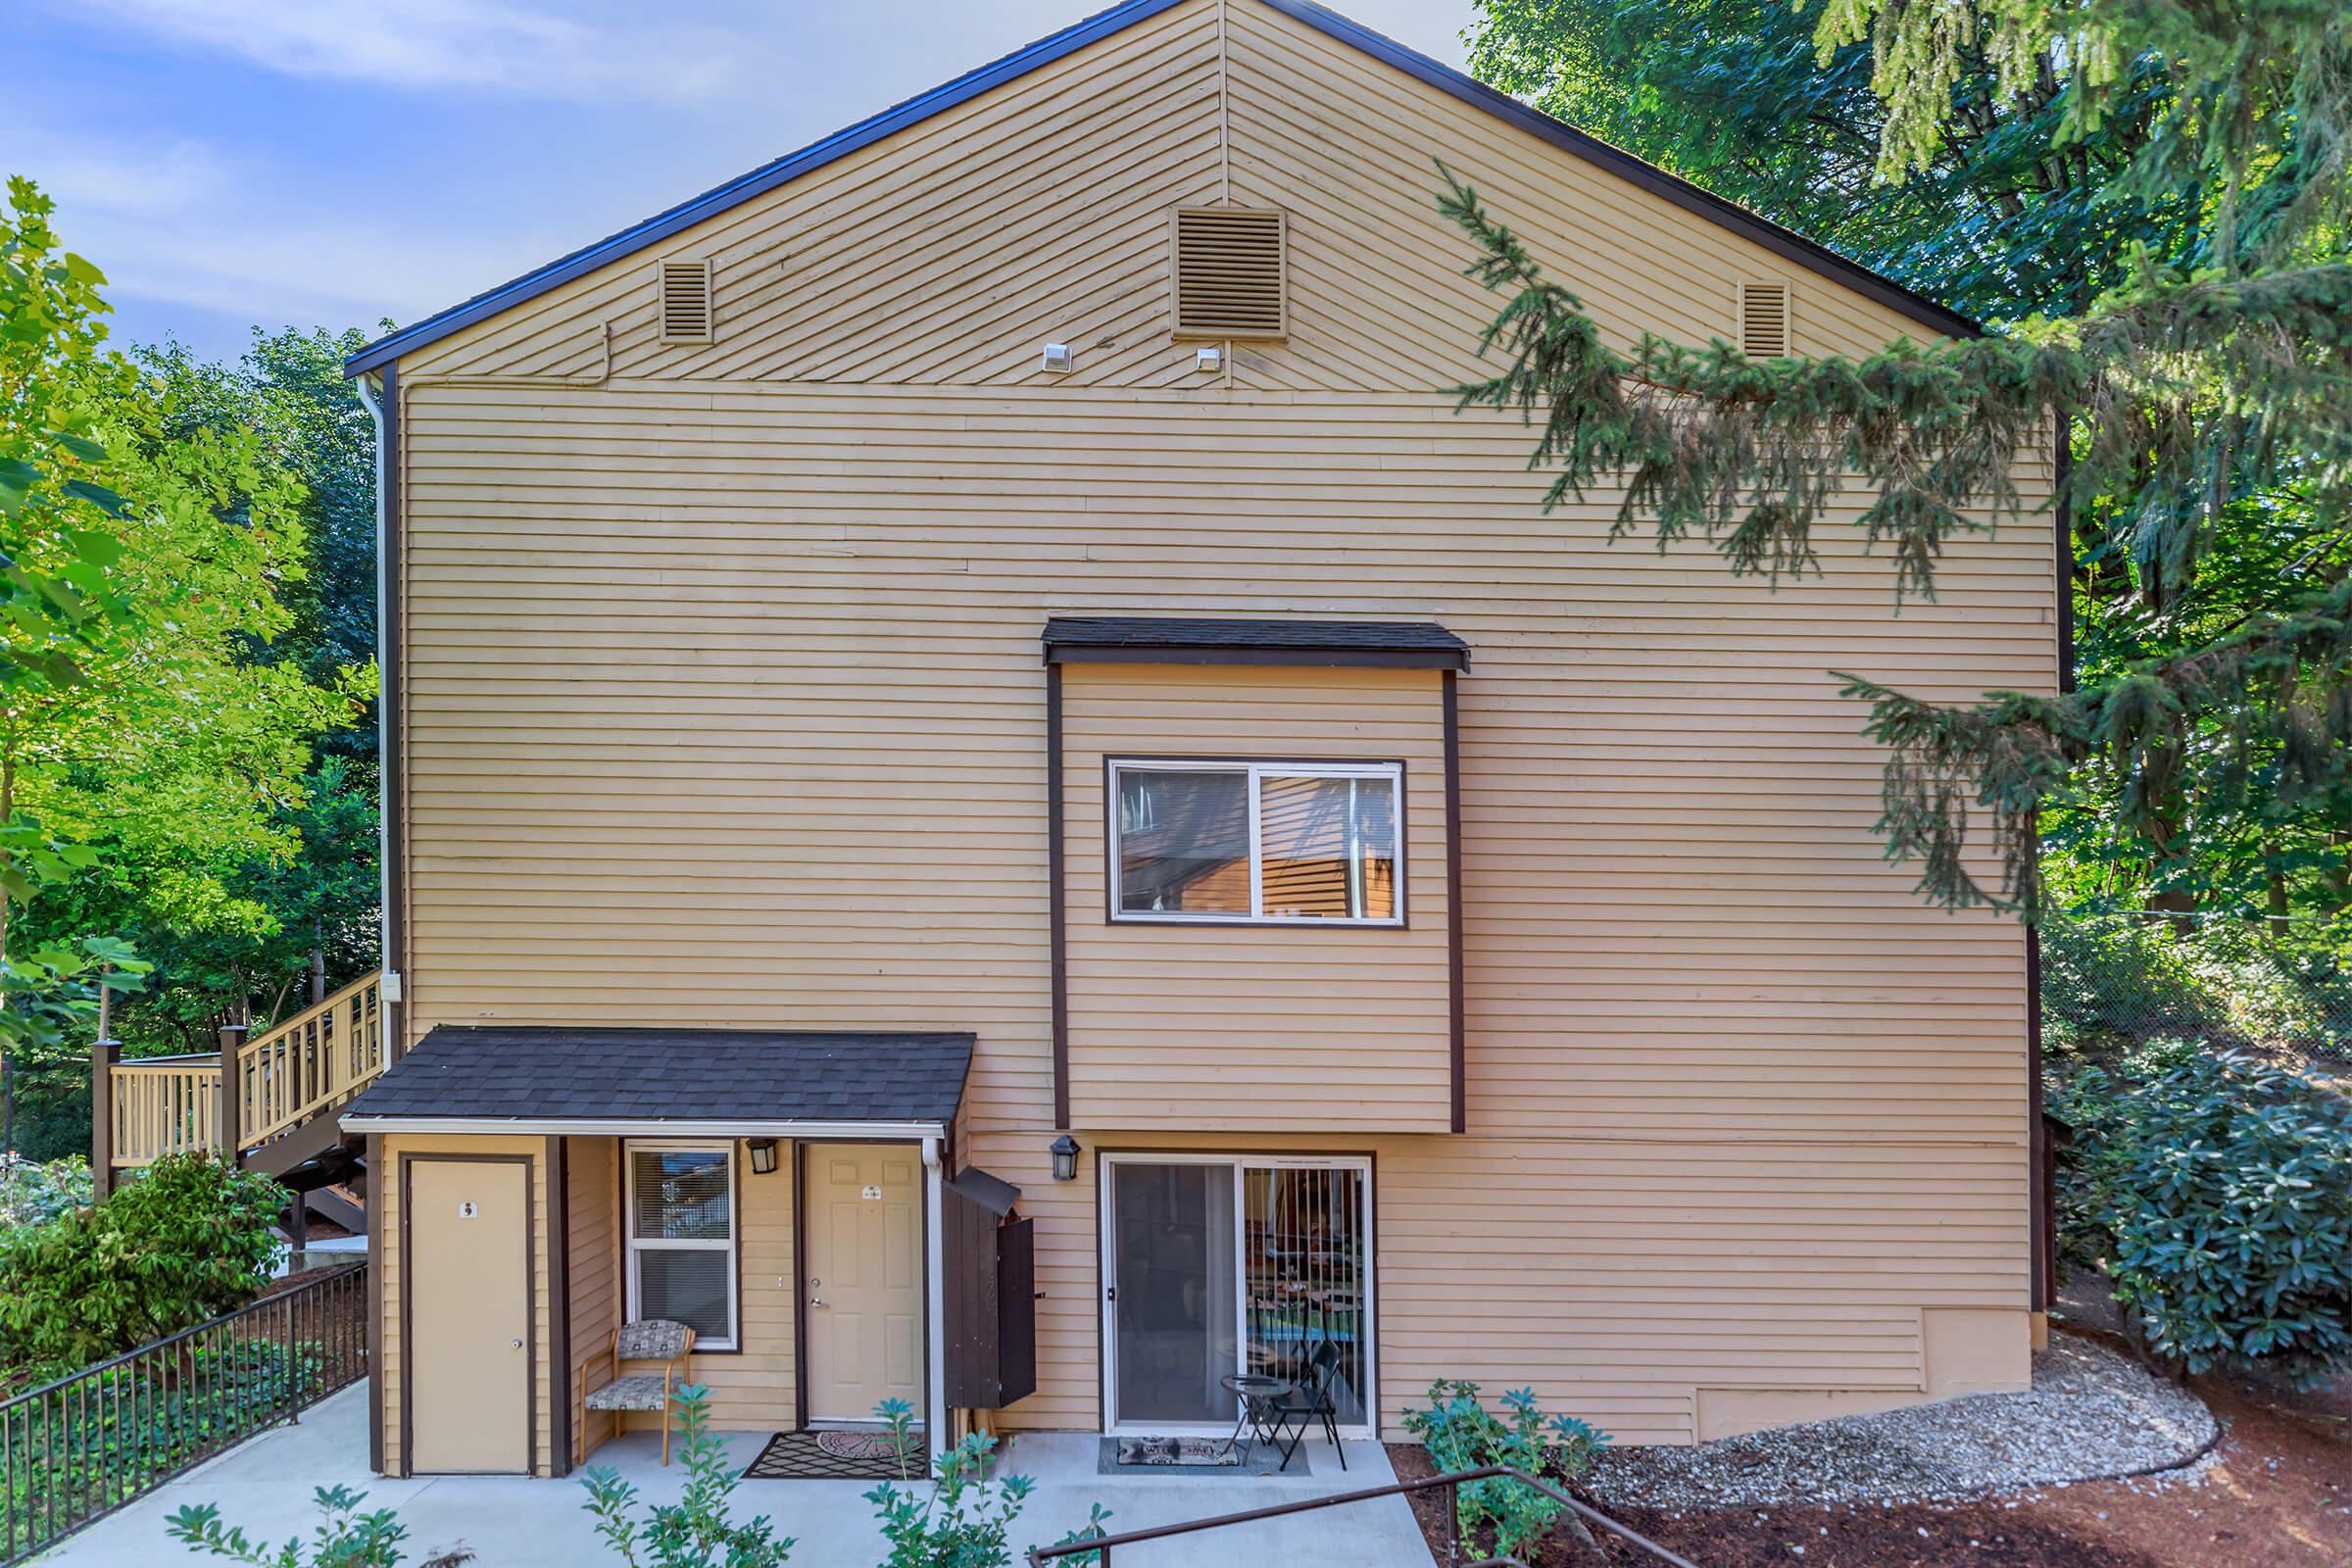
[2157, 198]
[159, 780]
[1999, 224]
[192, 1238]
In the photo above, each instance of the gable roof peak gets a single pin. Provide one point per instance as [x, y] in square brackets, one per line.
[911, 112]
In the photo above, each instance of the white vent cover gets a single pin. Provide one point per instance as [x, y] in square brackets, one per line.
[1231, 272]
[1764, 320]
[686, 301]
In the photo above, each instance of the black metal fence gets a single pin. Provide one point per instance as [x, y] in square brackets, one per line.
[2282, 988]
[83, 1446]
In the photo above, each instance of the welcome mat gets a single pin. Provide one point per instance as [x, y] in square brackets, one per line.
[1193, 1457]
[837, 1456]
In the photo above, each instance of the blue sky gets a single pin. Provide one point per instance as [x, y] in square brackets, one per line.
[229, 162]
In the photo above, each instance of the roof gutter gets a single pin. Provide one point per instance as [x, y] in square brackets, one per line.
[644, 1127]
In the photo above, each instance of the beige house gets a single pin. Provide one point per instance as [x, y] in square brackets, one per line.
[995, 803]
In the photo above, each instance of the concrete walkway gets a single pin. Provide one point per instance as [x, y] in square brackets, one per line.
[265, 1484]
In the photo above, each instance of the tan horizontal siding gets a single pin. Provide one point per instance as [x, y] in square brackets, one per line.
[725, 706]
[1231, 1028]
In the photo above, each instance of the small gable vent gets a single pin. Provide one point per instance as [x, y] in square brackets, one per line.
[1764, 320]
[686, 302]
[1230, 272]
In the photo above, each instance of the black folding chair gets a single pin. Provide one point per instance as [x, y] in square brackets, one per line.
[1309, 1405]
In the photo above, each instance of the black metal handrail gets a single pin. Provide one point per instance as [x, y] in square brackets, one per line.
[75, 1450]
[1103, 1545]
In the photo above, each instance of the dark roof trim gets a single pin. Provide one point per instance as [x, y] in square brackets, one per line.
[767, 178]
[899, 117]
[1784, 242]
[1173, 640]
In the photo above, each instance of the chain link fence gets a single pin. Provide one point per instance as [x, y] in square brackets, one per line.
[2281, 988]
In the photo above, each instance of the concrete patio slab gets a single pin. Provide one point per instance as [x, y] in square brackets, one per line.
[266, 1484]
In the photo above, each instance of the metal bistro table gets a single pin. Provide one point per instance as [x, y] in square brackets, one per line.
[1259, 1396]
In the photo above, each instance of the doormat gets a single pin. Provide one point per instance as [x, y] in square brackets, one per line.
[837, 1456]
[1194, 1456]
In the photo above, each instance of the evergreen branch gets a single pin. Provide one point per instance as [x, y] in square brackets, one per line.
[1750, 455]
[2283, 682]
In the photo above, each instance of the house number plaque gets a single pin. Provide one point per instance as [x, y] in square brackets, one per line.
[872, 1195]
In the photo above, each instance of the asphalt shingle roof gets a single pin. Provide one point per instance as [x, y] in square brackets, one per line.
[704, 1075]
[1179, 632]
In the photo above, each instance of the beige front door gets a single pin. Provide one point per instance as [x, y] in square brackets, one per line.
[864, 1290]
[467, 1259]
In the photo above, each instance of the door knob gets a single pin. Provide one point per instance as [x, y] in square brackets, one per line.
[816, 1300]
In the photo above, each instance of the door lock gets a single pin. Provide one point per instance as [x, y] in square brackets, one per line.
[517, 1343]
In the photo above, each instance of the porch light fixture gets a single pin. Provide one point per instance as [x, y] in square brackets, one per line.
[763, 1157]
[1065, 1158]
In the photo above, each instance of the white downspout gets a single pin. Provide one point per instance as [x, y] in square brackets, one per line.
[934, 1300]
[383, 804]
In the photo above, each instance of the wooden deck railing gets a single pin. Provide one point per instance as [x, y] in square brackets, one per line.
[320, 1057]
[303, 1067]
[165, 1106]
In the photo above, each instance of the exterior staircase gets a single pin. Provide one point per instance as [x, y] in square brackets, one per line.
[267, 1102]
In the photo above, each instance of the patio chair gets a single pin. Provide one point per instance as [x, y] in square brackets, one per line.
[656, 1339]
[1309, 1405]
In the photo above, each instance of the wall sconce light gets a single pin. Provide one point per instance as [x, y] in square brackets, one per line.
[763, 1157]
[1065, 1158]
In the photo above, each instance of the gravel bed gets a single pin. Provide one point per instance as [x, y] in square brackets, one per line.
[2092, 1414]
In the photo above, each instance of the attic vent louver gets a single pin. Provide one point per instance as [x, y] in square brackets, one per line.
[1230, 272]
[686, 302]
[1764, 320]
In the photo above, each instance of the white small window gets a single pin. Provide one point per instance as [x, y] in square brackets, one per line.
[681, 1237]
[1207, 842]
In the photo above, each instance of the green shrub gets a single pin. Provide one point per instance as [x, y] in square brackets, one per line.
[191, 1239]
[2216, 1191]
[34, 1193]
[966, 1520]
[696, 1531]
[1461, 1434]
[345, 1537]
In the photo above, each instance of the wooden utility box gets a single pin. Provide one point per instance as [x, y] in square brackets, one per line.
[991, 1305]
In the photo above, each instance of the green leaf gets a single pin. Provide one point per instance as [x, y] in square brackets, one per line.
[81, 446]
[98, 548]
[97, 495]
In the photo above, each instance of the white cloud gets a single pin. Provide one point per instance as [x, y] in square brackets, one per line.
[478, 45]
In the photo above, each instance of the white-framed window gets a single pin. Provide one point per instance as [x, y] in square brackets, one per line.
[681, 1236]
[1197, 841]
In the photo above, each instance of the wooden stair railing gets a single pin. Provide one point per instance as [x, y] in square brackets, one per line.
[300, 1069]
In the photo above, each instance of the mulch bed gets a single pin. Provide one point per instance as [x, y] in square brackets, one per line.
[2280, 1496]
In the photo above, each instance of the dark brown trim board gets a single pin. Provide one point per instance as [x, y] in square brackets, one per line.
[380, 1185]
[559, 1306]
[800, 1288]
[530, 1319]
[1457, 1016]
[2038, 1196]
[1299, 658]
[1057, 941]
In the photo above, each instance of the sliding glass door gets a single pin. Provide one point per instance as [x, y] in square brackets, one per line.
[1216, 1264]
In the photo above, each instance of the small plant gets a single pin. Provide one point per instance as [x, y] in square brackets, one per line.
[34, 1193]
[966, 1521]
[696, 1531]
[1461, 1434]
[345, 1537]
[2216, 1191]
